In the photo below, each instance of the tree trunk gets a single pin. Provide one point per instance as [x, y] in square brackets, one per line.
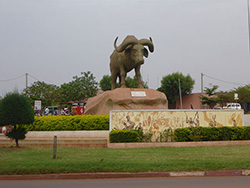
[16, 140]
[17, 145]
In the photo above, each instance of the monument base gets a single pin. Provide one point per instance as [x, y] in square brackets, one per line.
[126, 99]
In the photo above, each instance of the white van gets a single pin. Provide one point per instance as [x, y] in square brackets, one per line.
[233, 106]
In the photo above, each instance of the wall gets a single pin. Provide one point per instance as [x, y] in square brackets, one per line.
[156, 121]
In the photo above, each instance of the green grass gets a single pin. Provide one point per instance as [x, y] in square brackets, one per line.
[31, 160]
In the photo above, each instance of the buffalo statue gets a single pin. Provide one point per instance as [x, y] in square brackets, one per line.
[128, 56]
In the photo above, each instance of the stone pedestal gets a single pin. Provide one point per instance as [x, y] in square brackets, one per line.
[126, 99]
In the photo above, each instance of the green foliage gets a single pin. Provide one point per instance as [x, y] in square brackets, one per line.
[105, 83]
[120, 136]
[81, 88]
[61, 123]
[195, 133]
[165, 135]
[143, 137]
[211, 102]
[212, 99]
[15, 109]
[147, 137]
[211, 134]
[225, 97]
[182, 135]
[139, 130]
[49, 94]
[244, 94]
[17, 133]
[170, 86]
[132, 83]
[211, 90]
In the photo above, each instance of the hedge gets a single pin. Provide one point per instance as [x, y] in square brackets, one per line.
[211, 134]
[119, 136]
[62, 123]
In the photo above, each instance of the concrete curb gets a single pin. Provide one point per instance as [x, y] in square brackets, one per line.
[113, 175]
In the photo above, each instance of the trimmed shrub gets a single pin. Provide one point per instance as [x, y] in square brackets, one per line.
[196, 133]
[119, 136]
[211, 134]
[182, 135]
[20, 133]
[63, 123]
[16, 109]
[224, 133]
[246, 133]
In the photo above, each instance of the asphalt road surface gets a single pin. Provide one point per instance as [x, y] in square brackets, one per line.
[184, 182]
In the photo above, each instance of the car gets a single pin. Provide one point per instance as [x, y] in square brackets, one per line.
[233, 106]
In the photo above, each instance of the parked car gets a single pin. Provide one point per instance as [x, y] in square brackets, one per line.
[233, 106]
[52, 110]
[77, 109]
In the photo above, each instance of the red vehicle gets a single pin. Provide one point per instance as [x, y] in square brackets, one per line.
[77, 109]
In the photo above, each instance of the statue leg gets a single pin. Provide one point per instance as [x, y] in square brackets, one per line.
[113, 80]
[123, 76]
[138, 77]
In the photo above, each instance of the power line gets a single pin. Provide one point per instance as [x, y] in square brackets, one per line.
[34, 77]
[7, 80]
[234, 83]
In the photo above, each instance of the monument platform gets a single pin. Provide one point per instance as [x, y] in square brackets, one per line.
[126, 99]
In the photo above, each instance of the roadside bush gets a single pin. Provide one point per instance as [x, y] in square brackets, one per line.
[63, 123]
[182, 135]
[15, 110]
[196, 133]
[143, 137]
[211, 134]
[246, 133]
[120, 136]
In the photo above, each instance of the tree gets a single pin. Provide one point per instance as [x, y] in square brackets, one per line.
[105, 83]
[211, 100]
[81, 88]
[225, 97]
[15, 110]
[49, 94]
[211, 91]
[170, 86]
[132, 82]
[244, 94]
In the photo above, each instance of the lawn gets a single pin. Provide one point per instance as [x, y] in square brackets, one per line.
[31, 160]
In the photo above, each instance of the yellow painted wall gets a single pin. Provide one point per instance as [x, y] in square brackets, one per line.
[156, 121]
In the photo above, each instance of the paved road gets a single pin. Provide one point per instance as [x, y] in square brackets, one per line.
[191, 182]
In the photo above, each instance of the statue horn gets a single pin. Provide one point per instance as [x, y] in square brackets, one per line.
[129, 40]
[149, 43]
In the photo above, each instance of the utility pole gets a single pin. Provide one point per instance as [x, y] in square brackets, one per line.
[26, 74]
[180, 92]
[202, 87]
[248, 25]
[202, 83]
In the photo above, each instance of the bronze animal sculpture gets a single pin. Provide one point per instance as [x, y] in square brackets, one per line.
[128, 56]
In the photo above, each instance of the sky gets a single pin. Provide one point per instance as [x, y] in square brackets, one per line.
[54, 40]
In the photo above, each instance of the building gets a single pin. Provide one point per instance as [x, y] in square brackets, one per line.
[191, 101]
